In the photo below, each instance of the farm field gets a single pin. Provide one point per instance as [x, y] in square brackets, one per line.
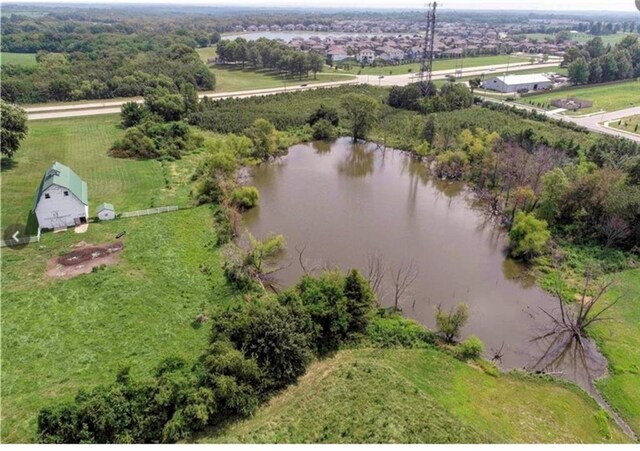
[607, 97]
[439, 64]
[19, 59]
[384, 396]
[628, 124]
[619, 341]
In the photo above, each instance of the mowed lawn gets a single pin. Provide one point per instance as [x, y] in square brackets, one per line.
[62, 335]
[18, 59]
[628, 124]
[619, 340]
[438, 64]
[82, 144]
[580, 37]
[607, 97]
[421, 396]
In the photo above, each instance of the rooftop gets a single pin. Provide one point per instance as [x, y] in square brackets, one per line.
[522, 79]
[61, 175]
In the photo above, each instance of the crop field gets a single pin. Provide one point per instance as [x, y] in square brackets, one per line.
[606, 97]
[420, 396]
[82, 144]
[19, 59]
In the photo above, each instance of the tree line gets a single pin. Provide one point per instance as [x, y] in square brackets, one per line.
[269, 54]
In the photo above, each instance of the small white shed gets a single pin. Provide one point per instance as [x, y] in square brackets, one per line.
[106, 212]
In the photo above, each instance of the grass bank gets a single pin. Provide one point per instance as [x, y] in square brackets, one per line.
[421, 396]
[606, 97]
[629, 124]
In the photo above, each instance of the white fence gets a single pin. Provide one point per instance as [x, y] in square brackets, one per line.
[150, 211]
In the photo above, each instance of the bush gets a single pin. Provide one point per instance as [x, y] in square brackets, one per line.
[528, 236]
[323, 130]
[451, 165]
[245, 197]
[450, 323]
[469, 349]
[391, 329]
[329, 114]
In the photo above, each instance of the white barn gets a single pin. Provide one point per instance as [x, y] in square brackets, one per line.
[62, 199]
[517, 83]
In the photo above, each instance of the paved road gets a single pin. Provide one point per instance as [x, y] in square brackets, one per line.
[113, 106]
[593, 122]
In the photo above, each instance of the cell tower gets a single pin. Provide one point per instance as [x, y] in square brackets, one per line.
[427, 49]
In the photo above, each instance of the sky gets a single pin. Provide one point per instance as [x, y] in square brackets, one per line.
[546, 5]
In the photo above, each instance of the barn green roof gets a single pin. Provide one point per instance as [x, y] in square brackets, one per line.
[61, 175]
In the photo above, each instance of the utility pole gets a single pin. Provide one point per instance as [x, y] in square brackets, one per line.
[427, 49]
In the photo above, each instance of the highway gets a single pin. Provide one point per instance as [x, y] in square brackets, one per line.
[64, 110]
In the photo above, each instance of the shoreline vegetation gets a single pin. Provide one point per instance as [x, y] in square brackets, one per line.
[330, 314]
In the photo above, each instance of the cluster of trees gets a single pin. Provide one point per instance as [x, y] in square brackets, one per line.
[13, 128]
[155, 129]
[430, 99]
[105, 67]
[595, 63]
[269, 54]
[256, 349]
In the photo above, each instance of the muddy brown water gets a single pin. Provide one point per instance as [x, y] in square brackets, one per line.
[345, 201]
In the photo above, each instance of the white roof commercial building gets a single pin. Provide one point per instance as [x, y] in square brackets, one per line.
[517, 83]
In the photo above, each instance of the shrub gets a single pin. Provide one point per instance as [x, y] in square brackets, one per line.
[451, 165]
[327, 113]
[450, 323]
[245, 197]
[391, 329]
[528, 237]
[323, 130]
[471, 348]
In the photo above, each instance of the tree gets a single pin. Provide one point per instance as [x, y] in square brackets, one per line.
[325, 112]
[316, 63]
[164, 103]
[528, 236]
[362, 112]
[450, 323]
[579, 71]
[474, 84]
[555, 184]
[132, 113]
[14, 127]
[595, 47]
[264, 137]
[323, 130]
[360, 301]
[429, 129]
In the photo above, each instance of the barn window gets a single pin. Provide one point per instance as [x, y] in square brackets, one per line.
[47, 196]
[66, 193]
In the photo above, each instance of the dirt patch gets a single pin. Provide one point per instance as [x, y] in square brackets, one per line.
[83, 259]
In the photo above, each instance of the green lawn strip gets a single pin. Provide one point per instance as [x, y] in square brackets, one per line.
[629, 124]
[439, 64]
[421, 396]
[619, 341]
[18, 59]
[579, 37]
[607, 97]
[62, 335]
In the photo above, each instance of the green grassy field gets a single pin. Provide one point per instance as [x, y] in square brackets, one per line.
[439, 64]
[82, 144]
[580, 37]
[232, 78]
[629, 124]
[19, 59]
[619, 340]
[609, 97]
[420, 396]
[61, 335]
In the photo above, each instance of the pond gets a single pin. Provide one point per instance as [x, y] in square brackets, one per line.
[343, 203]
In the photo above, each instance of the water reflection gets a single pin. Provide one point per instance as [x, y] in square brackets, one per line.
[349, 202]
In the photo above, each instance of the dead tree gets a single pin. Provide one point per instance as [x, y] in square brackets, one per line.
[376, 271]
[577, 321]
[402, 279]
